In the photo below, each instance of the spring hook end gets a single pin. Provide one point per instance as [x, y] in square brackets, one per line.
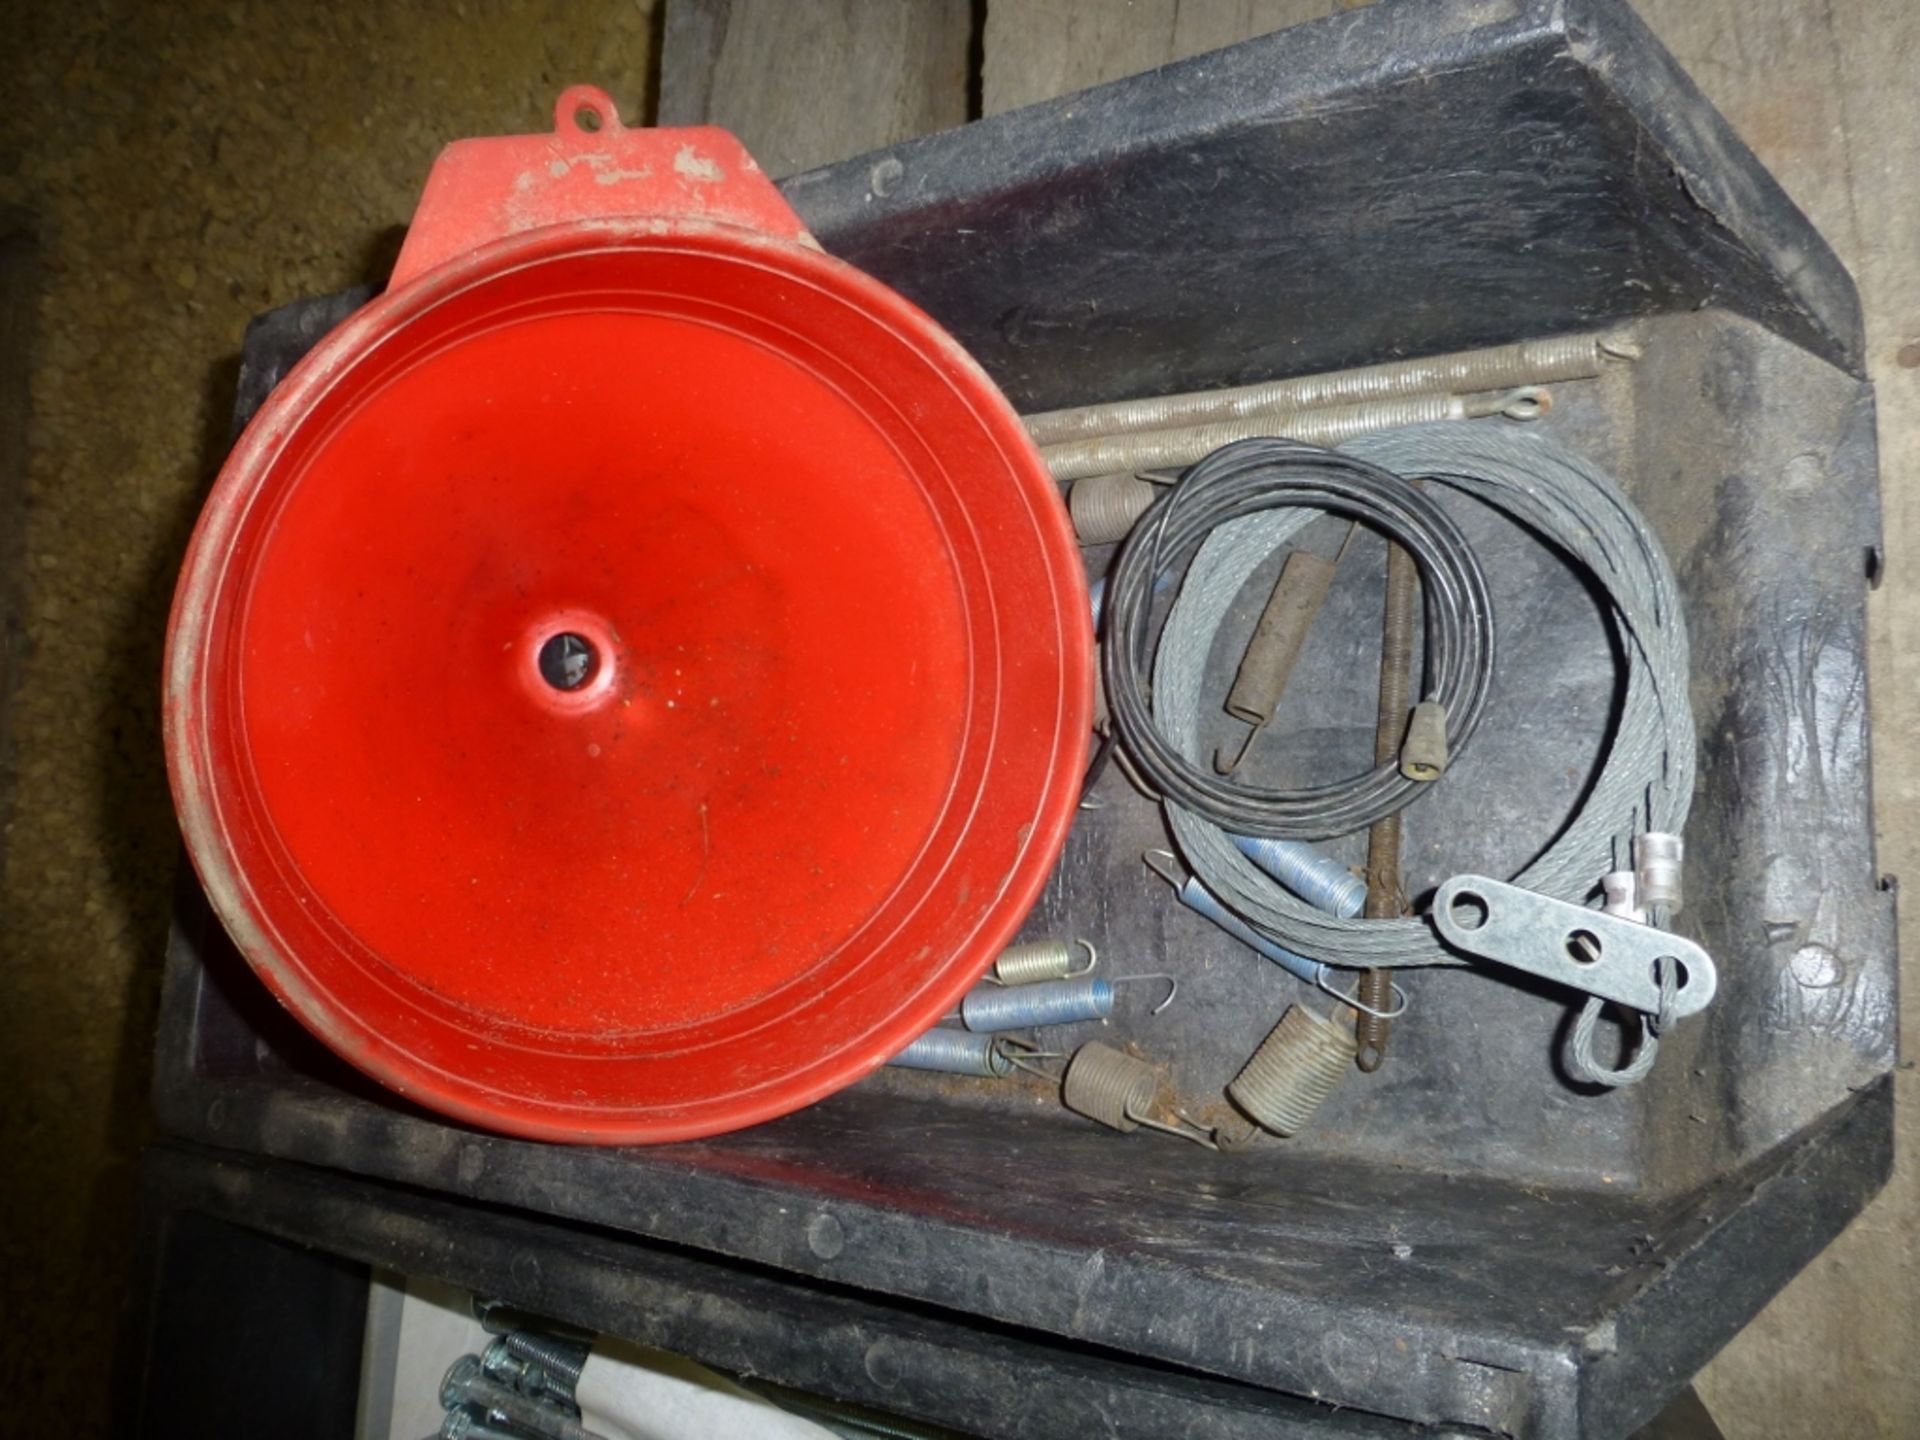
[1529, 402]
[1173, 987]
[1201, 1135]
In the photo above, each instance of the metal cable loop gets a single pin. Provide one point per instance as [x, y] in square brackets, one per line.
[1255, 480]
[1646, 778]
[1585, 1067]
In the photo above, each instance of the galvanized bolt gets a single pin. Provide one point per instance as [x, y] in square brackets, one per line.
[467, 1386]
[465, 1425]
[499, 1364]
[561, 1361]
[527, 1376]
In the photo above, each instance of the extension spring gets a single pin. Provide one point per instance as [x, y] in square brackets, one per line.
[1038, 960]
[957, 1052]
[1051, 1002]
[1296, 1067]
[1118, 1090]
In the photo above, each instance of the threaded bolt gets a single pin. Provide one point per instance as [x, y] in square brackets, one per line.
[467, 1385]
[526, 1376]
[562, 1362]
[465, 1425]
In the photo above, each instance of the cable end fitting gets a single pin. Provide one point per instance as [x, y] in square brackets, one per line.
[1423, 753]
[1658, 860]
[1622, 889]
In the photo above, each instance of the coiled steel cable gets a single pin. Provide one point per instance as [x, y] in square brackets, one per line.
[1646, 779]
[1266, 483]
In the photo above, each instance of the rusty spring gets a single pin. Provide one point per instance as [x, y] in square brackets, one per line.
[1119, 1091]
[1296, 1067]
[1104, 507]
[1372, 1029]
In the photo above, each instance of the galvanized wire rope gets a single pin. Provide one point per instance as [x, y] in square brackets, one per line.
[1259, 478]
[1646, 778]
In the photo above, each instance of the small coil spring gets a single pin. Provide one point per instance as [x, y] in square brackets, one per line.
[1039, 960]
[1104, 507]
[1118, 1090]
[1050, 1002]
[957, 1052]
[1110, 1086]
[1296, 1067]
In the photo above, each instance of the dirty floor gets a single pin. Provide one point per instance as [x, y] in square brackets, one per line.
[185, 166]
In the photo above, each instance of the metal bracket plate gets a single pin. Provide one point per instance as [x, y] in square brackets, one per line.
[1601, 954]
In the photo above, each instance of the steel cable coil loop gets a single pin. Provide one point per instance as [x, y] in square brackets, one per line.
[1271, 482]
[1645, 781]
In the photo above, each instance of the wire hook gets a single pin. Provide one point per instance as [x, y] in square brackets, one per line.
[1173, 987]
[1354, 1002]
[1165, 864]
[1020, 1054]
[1199, 1134]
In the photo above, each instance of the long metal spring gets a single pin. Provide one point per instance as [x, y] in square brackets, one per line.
[1104, 507]
[1296, 1067]
[1316, 878]
[1563, 357]
[1202, 901]
[1119, 1090]
[1033, 961]
[956, 1052]
[1371, 1031]
[1178, 448]
[1051, 1002]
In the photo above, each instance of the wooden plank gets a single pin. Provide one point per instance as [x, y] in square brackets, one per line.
[1824, 94]
[806, 82]
[1037, 49]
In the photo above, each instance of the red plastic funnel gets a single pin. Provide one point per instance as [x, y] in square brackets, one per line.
[632, 678]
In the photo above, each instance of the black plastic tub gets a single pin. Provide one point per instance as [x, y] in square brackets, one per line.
[1466, 1239]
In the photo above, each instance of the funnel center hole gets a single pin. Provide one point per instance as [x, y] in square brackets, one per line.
[568, 661]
